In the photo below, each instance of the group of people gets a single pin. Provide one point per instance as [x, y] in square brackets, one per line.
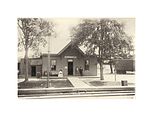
[79, 70]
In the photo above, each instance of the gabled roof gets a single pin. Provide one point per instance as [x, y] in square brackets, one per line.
[61, 51]
[68, 45]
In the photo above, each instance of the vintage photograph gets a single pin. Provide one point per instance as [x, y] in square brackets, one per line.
[76, 58]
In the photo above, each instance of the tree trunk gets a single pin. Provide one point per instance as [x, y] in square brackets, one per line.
[26, 64]
[101, 70]
[100, 61]
[111, 68]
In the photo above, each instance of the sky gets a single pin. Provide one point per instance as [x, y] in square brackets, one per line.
[63, 28]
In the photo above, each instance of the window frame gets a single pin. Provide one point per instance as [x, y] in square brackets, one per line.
[51, 64]
[87, 66]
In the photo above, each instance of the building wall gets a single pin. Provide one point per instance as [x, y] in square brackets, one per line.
[45, 62]
[92, 68]
[37, 62]
[125, 64]
[78, 61]
[62, 63]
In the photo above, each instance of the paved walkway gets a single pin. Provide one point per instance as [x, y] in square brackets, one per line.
[78, 83]
[84, 81]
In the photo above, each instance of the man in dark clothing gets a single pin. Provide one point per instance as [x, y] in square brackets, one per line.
[81, 71]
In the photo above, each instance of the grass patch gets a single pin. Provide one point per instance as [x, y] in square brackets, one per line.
[56, 83]
[101, 83]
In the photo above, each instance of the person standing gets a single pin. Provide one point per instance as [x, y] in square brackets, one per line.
[60, 74]
[81, 71]
[77, 71]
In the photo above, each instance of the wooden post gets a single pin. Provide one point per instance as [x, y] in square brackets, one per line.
[48, 63]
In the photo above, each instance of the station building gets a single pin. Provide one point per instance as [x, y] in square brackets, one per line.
[69, 60]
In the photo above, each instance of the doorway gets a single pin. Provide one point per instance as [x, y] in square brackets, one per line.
[33, 70]
[70, 67]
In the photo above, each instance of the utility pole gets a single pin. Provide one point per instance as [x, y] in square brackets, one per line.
[48, 63]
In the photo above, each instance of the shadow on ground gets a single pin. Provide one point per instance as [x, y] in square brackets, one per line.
[43, 84]
[108, 83]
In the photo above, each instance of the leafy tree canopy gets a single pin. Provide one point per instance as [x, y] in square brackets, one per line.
[106, 36]
[32, 32]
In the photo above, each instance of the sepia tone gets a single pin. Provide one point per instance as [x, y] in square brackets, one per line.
[76, 57]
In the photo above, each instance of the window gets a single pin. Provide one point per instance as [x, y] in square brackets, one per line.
[53, 65]
[87, 64]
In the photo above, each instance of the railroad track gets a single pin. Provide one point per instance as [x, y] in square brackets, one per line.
[76, 92]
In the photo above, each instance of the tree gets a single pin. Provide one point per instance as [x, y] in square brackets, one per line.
[31, 34]
[104, 38]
